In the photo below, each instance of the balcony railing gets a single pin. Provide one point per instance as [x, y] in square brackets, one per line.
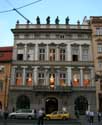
[54, 63]
[43, 88]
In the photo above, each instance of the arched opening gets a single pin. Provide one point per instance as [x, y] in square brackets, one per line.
[51, 105]
[23, 102]
[81, 105]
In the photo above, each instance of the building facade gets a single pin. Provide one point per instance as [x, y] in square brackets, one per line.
[96, 25]
[5, 67]
[52, 67]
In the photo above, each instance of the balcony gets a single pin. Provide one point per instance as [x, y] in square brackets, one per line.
[64, 89]
[55, 89]
[54, 63]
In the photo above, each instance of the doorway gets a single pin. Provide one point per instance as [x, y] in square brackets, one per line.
[51, 105]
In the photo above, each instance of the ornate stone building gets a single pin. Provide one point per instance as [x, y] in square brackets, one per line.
[5, 67]
[52, 67]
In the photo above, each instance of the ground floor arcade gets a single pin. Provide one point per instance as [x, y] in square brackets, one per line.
[53, 101]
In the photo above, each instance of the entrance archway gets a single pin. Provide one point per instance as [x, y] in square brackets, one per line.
[81, 105]
[51, 105]
[23, 102]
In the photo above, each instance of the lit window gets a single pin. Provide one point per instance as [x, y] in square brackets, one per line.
[18, 78]
[62, 79]
[29, 79]
[86, 80]
[76, 77]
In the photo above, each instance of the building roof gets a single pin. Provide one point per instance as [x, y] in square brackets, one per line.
[6, 54]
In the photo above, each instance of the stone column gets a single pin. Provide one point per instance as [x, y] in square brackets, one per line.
[24, 76]
[35, 76]
[69, 72]
[68, 52]
[47, 53]
[92, 76]
[47, 78]
[80, 53]
[57, 78]
[81, 76]
[36, 52]
[12, 76]
[25, 52]
[15, 52]
[57, 53]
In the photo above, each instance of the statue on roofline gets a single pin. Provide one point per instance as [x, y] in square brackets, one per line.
[38, 20]
[57, 20]
[48, 20]
[67, 20]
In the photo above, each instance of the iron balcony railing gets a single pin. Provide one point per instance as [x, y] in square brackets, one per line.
[45, 88]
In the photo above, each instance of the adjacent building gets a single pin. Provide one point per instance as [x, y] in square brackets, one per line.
[5, 67]
[53, 67]
[96, 25]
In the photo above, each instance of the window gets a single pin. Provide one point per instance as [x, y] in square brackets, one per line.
[19, 78]
[41, 78]
[30, 54]
[86, 78]
[75, 53]
[62, 79]
[62, 54]
[99, 31]
[100, 63]
[52, 54]
[99, 47]
[41, 53]
[1, 85]
[85, 51]
[20, 54]
[75, 78]
[29, 78]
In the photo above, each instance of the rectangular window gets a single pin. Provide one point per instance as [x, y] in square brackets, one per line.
[62, 54]
[100, 63]
[30, 54]
[52, 53]
[75, 53]
[99, 31]
[1, 85]
[85, 54]
[41, 54]
[29, 79]
[41, 78]
[18, 78]
[62, 79]
[99, 47]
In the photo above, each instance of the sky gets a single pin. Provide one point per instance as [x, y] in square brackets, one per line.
[75, 9]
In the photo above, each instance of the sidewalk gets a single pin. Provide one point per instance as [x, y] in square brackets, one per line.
[84, 121]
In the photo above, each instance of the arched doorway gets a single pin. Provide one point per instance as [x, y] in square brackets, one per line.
[51, 105]
[23, 102]
[81, 104]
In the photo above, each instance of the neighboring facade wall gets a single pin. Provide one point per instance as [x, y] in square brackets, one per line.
[63, 51]
[5, 66]
[96, 25]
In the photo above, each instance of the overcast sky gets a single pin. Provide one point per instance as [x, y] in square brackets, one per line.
[75, 9]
